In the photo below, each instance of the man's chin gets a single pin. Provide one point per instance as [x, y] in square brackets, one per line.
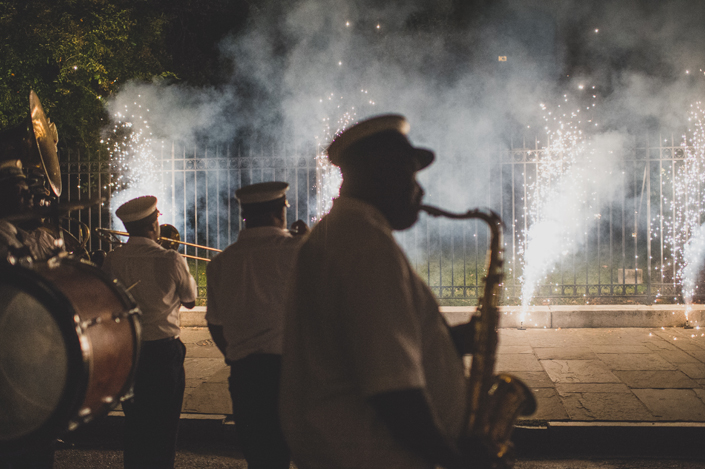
[404, 223]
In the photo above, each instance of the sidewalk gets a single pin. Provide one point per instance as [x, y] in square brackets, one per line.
[600, 390]
[578, 375]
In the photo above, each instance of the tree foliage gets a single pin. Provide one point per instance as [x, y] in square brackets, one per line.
[74, 54]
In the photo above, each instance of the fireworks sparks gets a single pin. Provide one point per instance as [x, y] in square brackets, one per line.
[560, 198]
[328, 177]
[132, 156]
[688, 233]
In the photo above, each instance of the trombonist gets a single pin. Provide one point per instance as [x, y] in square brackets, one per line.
[162, 284]
[247, 285]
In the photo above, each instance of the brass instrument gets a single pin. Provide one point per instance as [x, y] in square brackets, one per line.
[494, 401]
[169, 237]
[33, 141]
[172, 241]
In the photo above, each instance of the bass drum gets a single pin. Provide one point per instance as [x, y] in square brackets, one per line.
[69, 343]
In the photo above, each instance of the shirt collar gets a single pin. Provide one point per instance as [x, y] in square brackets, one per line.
[142, 241]
[363, 208]
[261, 231]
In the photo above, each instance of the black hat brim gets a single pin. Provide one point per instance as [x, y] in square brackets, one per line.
[423, 158]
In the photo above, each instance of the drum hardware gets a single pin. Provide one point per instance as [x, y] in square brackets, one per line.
[133, 285]
[117, 317]
[91, 322]
[111, 236]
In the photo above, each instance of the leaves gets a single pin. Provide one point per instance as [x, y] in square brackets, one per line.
[75, 53]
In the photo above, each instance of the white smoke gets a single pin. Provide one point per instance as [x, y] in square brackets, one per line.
[301, 65]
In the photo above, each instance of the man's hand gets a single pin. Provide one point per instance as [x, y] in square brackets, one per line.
[463, 336]
[299, 227]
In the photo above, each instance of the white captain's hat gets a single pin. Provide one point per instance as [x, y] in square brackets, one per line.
[262, 192]
[137, 209]
[388, 131]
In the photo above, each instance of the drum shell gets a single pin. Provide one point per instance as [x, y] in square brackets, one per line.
[109, 337]
[99, 323]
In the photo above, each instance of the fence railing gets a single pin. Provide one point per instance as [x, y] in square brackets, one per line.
[623, 256]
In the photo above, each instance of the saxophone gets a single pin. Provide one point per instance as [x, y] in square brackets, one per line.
[493, 401]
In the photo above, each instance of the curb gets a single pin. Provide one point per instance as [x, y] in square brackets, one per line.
[550, 317]
[682, 440]
[213, 431]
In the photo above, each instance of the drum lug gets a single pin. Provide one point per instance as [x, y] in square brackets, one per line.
[84, 416]
[91, 322]
[117, 317]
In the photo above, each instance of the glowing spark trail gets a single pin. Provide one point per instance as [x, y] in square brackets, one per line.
[328, 177]
[560, 198]
[132, 156]
[688, 233]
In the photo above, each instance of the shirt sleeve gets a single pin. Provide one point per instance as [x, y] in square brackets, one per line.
[212, 315]
[186, 287]
[382, 331]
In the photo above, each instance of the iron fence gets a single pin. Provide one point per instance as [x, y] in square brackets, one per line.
[623, 257]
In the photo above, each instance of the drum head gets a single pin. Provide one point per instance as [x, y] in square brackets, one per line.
[40, 358]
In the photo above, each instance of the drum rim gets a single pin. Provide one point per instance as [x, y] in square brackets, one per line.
[77, 372]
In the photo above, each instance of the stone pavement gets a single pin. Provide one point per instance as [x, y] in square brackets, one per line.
[579, 375]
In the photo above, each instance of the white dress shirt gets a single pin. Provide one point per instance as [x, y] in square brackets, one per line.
[247, 289]
[361, 322]
[160, 281]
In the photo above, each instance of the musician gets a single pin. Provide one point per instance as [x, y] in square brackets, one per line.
[246, 294]
[16, 199]
[160, 282]
[371, 377]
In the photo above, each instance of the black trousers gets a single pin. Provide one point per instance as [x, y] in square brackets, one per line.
[254, 389]
[152, 416]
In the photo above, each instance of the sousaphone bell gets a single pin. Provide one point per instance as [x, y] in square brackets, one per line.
[33, 141]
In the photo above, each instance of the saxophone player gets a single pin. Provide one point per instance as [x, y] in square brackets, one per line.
[372, 376]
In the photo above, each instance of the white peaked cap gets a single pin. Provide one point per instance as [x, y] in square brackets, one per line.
[262, 192]
[137, 209]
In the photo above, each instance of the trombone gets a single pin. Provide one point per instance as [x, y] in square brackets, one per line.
[170, 240]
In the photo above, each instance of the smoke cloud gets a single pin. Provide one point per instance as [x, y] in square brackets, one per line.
[469, 75]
